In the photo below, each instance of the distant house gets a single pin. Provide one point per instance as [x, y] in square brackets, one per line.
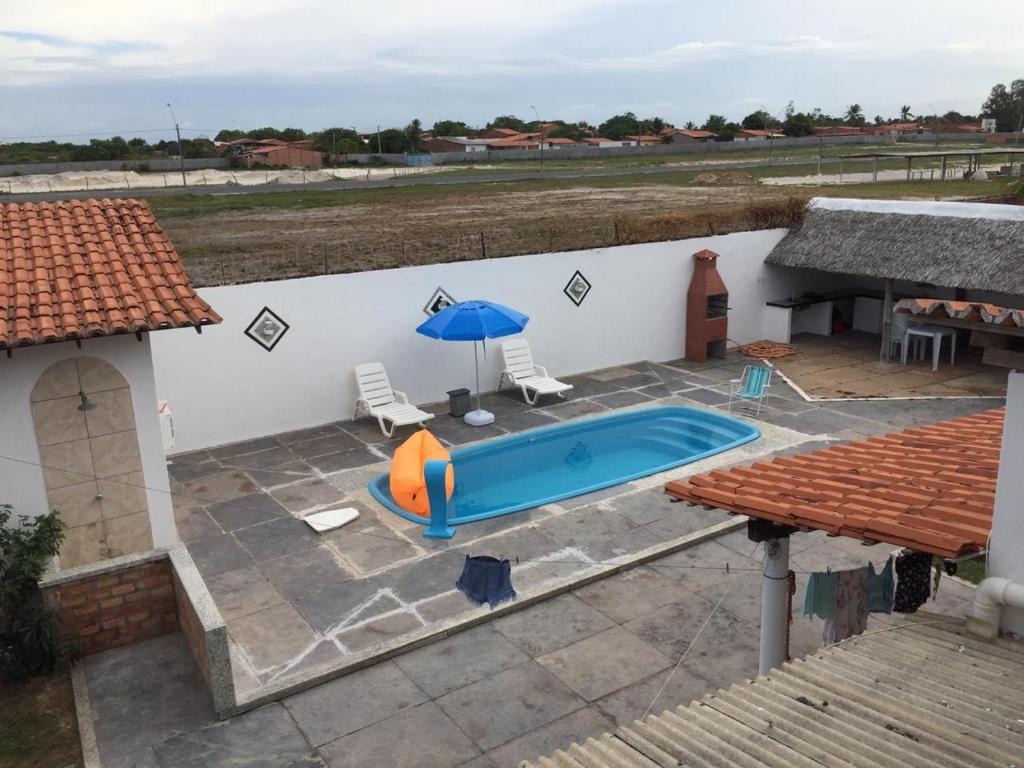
[499, 133]
[518, 141]
[645, 140]
[600, 141]
[298, 154]
[687, 136]
[554, 142]
[456, 144]
[839, 130]
[757, 134]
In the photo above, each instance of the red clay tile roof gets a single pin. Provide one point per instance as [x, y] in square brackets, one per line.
[930, 488]
[80, 268]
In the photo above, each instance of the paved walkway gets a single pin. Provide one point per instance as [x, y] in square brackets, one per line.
[521, 685]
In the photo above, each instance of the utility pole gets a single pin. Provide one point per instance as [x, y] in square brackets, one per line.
[181, 148]
[541, 126]
[378, 140]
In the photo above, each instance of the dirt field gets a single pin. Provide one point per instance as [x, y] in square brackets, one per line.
[247, 245]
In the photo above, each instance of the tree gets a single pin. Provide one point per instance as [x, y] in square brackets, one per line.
[1006, 105]
[338, 140]
[28, 626]
[760, 120]
[413, 131]
[229, 134]
[451, 128]
[798, 124]
[392, 141]
[620, 126]
[292, 134]
[905, 113]
[714, 123]
[854, 115]
[690, 125]
[573, 132]
[507, 121]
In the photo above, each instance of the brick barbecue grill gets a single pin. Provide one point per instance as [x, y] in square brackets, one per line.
[707, 305]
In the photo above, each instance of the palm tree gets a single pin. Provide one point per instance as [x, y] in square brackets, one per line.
[854, 114]
[905, 113]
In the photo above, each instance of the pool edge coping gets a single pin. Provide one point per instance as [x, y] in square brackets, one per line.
[429, 635]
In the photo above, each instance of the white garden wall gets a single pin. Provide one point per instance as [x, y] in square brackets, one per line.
[222, 386]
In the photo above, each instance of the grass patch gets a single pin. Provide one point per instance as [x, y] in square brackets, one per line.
[38, 725]
[971, 570]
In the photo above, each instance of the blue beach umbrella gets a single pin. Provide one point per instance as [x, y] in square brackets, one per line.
[474, 321]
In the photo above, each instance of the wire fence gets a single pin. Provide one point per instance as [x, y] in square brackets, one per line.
[265, 262]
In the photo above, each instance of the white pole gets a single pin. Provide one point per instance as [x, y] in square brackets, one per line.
[476, 364]
[774, 591]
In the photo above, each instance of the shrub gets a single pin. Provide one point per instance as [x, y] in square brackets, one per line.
[28, 627]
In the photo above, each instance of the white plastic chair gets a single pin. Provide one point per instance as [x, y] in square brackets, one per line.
[379, 400]
[521, 372]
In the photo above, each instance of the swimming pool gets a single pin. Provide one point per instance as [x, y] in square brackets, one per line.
[510, 474]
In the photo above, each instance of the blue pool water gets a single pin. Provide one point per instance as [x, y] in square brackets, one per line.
[509, 474]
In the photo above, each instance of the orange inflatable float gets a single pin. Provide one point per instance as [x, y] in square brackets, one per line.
[408, 486]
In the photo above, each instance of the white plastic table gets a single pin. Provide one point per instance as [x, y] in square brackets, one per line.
[936, 334]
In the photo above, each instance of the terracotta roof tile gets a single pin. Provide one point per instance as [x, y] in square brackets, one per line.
[82, 268]
[930, 488]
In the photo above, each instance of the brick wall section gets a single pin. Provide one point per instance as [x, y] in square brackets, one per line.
[192, 629]
[118, 607]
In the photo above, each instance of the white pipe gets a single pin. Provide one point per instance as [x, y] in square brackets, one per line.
[774, 593]
[984, 612]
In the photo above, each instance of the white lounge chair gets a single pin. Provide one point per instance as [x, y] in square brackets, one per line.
[521, 372]
[379, 400]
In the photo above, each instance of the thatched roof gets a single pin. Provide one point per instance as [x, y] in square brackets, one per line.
[954, 245]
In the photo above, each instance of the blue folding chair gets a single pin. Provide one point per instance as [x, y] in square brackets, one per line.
[753, 386]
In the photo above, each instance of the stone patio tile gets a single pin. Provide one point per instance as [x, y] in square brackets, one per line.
[682, 520]
[460, 660]
[277, 537]
[444, 606]
[222, 486]
[144, 693]
[192, 521]
[726, 651]
[526, 543]
[700, 566]
[303, 572]
[263, 738]
[552, 624]
[455, 431]
[621, 399]
[706, 397]
[574, 502]
[354, 457]
[185, 471]
[509, 704]
[611, 548]
[577, 727]
[241, 592]
[587, 386]
[574, 409]
[283, 474]
[584, 525]
[368, 430]
[268, 459]
[630, 594]
[533, 575]
[309, 495]
[343, 706]
[246, 446]
[219, 554]
[425, 578]
[378, 631]
[671, 627]
[605, 662]
[348, 600]
[520, 422]
[245, 511]
[415, 737]
[503, 404]
[637, 380]
[643, 507]
[370, 550]
[630, 703]
[310, 433]
[272, 637]
[332, 443]
[657, 391]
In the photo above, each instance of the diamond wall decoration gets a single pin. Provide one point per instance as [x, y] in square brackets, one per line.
[440, 300]
[577, 288]
[267, 329]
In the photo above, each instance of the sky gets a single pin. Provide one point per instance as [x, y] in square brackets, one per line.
[78, 68]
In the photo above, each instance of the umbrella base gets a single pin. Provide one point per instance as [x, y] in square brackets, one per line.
[479, 418]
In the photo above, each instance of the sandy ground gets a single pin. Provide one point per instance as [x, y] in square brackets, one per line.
[952, 172]
[93, 180]
[239, 246]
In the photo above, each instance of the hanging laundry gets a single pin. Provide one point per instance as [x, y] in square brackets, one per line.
[851, 606]
[881, 587]
[913, 572]
[820, 599]
[486, 580]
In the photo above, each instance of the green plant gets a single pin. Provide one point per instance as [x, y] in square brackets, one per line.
[28, 627]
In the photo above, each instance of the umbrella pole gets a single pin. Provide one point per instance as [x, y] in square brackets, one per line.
[476, 364]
